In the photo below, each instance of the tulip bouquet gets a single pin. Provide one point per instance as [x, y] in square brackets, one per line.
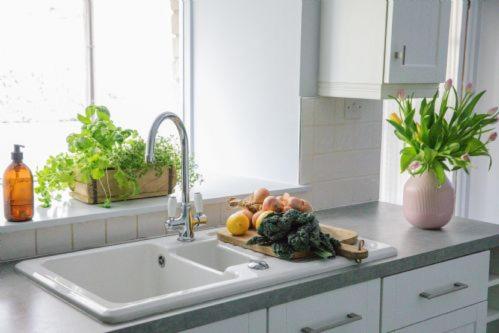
[446, 135]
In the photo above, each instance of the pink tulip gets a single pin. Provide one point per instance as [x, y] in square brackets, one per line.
[492, 111]
[448, 84]
[469, 88]
[465, 157]
[493, 136]
[401, 94]
[415, 165]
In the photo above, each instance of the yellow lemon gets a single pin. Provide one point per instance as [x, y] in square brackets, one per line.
[261, 217]
[238, 224]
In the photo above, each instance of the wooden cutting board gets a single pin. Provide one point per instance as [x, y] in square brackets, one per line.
[347, 238]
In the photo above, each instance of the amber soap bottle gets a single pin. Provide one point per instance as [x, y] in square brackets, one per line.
[18, 189]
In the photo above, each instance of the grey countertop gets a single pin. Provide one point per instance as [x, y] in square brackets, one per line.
[25, 307]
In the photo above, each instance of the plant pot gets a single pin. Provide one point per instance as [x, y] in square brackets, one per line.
[150, 184]
[427, 205]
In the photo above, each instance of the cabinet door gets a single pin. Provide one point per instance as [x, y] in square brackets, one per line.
[353, 309]
[253, 322]
[416, 41]
[468, 320]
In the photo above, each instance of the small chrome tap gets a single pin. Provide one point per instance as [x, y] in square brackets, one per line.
[186, 219]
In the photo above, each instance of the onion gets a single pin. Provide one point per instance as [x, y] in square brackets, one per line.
[260, 195]
[255, 218]
[271, 203]
[307, 207]
[248, 213]
[296, 203]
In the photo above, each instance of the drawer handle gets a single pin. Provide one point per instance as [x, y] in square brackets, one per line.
[350, 318]
[455, 287]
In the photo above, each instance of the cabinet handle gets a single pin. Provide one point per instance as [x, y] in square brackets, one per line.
[455, 287]
[400, 54]
[350, 318]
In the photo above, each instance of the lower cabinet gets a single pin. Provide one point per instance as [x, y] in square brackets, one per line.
[471, 319]
[425, 293]
[449, 297]
[352, 309]
[253, 322]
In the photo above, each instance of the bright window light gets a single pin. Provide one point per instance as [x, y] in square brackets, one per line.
[44, 75]
[135, 69]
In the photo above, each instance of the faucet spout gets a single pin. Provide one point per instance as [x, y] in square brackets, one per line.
[184, 140]
[186, 217]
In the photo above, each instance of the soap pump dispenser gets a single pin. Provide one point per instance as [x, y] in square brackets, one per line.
[18, 189]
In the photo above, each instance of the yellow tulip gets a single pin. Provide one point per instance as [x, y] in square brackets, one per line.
[395, 118]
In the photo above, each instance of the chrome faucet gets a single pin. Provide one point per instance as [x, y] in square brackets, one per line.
[186, 219]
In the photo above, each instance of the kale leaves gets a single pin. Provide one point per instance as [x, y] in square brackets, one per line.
[292, 232]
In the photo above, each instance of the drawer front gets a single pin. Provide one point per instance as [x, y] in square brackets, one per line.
[353, 309]
[472, 319]
[430, 291]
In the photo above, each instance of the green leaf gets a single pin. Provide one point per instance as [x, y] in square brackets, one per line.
[439, 173]
[83, 119]
[407, 155]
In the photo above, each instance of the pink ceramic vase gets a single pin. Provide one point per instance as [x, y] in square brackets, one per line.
[425, 204]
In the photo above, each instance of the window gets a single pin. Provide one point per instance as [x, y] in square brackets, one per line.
[48, 71]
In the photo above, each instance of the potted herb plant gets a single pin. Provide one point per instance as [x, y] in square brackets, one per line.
[441, 137]
[106, 163]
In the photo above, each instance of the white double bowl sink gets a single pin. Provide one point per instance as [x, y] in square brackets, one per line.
[129, 281]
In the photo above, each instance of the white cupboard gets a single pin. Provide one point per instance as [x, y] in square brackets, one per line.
[372, 49]
[253, 322]
[353, 309]
[430, 291]
[468, 320]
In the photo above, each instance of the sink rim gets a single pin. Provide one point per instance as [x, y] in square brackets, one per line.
[248, 281]
[115, 312]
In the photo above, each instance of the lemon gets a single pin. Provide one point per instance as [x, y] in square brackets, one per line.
[261, 217]
[238, 224]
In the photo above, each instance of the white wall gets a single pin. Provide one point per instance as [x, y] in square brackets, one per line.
[246, 70]
[484, 186]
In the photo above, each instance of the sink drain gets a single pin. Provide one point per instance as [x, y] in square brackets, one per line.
[161, 261]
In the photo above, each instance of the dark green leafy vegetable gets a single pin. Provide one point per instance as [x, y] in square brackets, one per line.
[294, 231]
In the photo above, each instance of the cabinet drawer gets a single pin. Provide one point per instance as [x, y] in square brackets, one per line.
[353, 309]
[430, 291]
[468, 320]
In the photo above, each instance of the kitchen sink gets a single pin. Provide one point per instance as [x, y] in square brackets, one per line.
[133, 273]
[214, 254]
[129, 281]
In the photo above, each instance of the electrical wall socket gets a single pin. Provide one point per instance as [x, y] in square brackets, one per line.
[353, 108]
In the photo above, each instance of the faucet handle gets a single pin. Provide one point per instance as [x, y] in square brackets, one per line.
[172, 207]
[198, 202]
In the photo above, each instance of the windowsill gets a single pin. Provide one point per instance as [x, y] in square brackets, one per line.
[69, 211]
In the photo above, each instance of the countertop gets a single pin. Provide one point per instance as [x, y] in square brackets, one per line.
[24, 307]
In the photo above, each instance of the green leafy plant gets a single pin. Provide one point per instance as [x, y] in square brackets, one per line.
[446, 136]
[100, 146]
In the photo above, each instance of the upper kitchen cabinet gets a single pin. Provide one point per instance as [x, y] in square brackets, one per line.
[371, 49]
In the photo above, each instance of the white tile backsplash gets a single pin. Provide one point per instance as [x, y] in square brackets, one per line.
[152, 224]
[89, 234]
[214, 214]
[342, 166]
[121, 229]
[54, 240]
[18, 244]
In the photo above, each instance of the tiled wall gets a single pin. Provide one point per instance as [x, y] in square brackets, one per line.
[340, 150]
[85, 235]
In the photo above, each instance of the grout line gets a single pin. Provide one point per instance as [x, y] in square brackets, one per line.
[36, 242]
[72, 237]
[105, 231]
